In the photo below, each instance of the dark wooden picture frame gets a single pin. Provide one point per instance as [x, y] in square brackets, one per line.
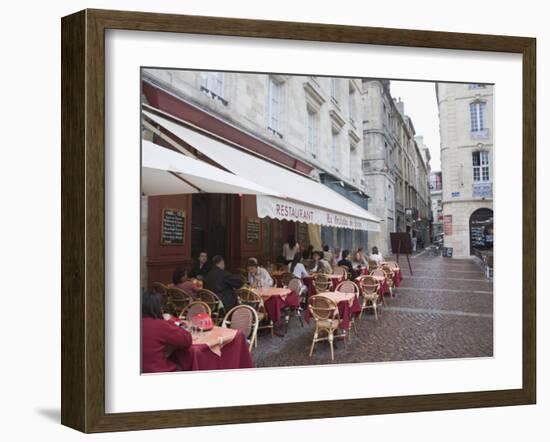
[83, 219]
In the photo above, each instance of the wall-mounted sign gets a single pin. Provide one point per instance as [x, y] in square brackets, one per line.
[455, 194]
[448, 224]
[252, 230]
[173, 227]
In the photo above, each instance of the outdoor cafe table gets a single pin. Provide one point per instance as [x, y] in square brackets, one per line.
[334, 279]
[216, 349]
[348, 305]
[275, 299]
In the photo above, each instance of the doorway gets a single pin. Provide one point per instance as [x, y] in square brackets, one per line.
[208, 224]
[481, 230]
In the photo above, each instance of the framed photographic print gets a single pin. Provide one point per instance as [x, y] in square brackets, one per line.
[239, 198]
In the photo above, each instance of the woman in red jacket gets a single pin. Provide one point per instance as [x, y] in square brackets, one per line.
[159, 338]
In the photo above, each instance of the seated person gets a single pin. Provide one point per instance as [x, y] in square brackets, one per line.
[328, 256]
[376, 256]
[345, 262]
[201, 267]
[223, 283]
[183, 281]
[296, 267]
[320, 264]
[159, 337]
[258, 276]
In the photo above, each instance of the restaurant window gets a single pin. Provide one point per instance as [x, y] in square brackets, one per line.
[275, 106]
[212, 84]
[480, 161]
[477, 116]
[312, 131]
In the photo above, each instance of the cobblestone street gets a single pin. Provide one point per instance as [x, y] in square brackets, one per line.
[444, 311]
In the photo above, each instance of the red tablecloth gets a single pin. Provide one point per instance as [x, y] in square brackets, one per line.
[308, 282]
[276, 302]
[234, 354]
[345, 311]
[398, 277]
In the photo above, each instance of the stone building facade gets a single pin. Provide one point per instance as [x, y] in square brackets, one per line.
[466, 129]
[317, 120]
[395, 167]
[356, 138]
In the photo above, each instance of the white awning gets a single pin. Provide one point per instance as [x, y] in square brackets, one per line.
[300, 198]
[165, 172]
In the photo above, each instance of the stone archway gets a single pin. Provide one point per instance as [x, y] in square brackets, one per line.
[481, 230]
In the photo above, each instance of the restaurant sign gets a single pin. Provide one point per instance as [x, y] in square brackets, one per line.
[279, 208]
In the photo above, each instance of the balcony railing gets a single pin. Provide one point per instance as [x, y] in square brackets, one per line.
[482, 190]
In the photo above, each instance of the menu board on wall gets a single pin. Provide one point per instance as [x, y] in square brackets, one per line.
[173, 227]
[252, 230]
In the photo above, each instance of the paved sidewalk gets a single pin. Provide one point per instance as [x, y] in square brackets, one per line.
[445, 310]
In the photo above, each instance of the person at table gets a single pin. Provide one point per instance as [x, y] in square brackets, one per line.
[345, 262]
[159, 338]
[296, 267]
[290, 248]
[258, 276]
[201, 267]
[320, 264]
[376, 256]
[329, 257]
[183, 281]
[223, 283]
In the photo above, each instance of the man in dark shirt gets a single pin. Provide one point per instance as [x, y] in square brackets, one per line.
[223, 283]
[201, 267]
[345, 262]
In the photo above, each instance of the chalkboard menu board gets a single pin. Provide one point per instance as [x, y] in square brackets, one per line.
[173, 227]
[252, 230]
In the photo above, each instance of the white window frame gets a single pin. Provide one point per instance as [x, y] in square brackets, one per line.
[478, 116]
[312, 131]
[335, 158]
[275, 104]
[212, 83]
[480, 171]
[351, 104]
[334, 89]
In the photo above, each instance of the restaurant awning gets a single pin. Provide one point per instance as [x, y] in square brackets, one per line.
[299, 198]
[166, 172]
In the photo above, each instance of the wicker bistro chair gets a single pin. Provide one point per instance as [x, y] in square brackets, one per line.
[370, 295]
[215, 304]
[193, 309]
[252, 299]
[390, 278]
[325, 313]
[349, 287]
[295, 284]
[341, 270]
[177, 300]
[286, 278]
[159, 287]
[373, 265]
[321, 283]
[245, 319]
